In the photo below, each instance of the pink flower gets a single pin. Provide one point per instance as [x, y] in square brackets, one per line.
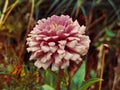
[56, 41]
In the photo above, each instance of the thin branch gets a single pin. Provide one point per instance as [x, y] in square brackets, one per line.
[96, 21]
[4, 10]
[104, 49]
[28, 29]
[8, 13]
[90, 17]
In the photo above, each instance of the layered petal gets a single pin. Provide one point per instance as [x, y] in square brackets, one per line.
[56, 41]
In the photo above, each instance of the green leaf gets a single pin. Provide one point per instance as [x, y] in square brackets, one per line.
[93, 74]
[90, 82]
[49, 77]
[78, 78]
[63, 87]
[110, 33]
[23, 71]
[47, 87]
[108, 38]
[96, 44]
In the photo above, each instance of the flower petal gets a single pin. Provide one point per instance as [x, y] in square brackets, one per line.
[72, 44]
[45, 48]
[68, 55]
[46, 57]
[62, 42]
[65, 64]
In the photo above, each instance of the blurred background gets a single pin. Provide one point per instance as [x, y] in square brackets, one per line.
[102, 20]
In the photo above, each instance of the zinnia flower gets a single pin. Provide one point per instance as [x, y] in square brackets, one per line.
[56, 41]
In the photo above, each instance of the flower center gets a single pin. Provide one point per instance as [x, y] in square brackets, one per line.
[56, 27]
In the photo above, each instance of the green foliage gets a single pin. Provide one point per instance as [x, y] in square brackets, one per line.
[46, 87]
[93, 74]
[109, 33]
[49, 77]
[88, 83]
[63, 87]
[78, 82]
[78, 78]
